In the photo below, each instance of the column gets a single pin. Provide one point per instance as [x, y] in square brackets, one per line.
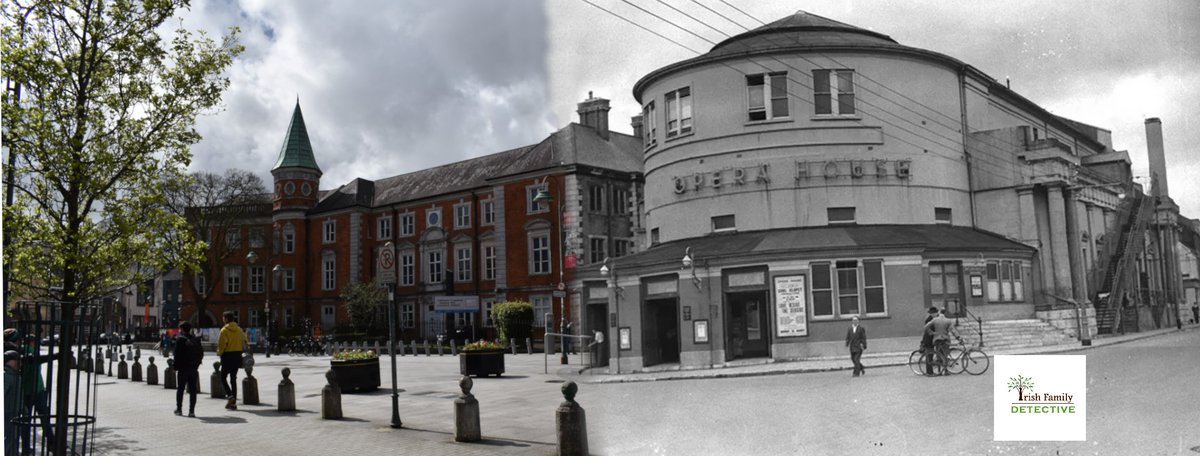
[1060, 248]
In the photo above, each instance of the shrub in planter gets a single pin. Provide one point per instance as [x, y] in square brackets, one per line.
[514, 319]
[356, 370]
[481, 358]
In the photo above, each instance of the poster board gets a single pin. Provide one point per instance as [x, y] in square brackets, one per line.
[791, 306]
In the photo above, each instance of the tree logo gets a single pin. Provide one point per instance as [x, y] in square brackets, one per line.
[1020, 383]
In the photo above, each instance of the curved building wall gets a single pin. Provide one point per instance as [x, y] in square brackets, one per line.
[782, 173]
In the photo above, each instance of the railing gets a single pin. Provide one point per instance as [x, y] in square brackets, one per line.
[979, 323]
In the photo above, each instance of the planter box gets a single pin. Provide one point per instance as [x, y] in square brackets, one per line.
[481, 363]
[356, 375]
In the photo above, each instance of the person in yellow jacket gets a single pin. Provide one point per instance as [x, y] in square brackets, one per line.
[230, 345]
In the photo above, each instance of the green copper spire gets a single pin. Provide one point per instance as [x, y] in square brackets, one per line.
[297, 150]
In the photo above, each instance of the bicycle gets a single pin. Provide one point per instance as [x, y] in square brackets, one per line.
[959, 358]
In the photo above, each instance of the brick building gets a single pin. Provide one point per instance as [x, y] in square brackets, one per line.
[470, 229]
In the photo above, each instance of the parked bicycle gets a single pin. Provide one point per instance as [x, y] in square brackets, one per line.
[959, 358]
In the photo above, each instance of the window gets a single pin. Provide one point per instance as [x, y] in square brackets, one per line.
[328, 269]
[941, 215]
[330, 230]
[233, 279]
[847, 287]
[201, 284]
[254, 317]
[462, 264]
[233, 238]
[328, 312]
[596, 199]
[408, 268]
[653, 236]
[1005, 281]
[840, 215]
[621, 248]
[822, 290]
[830, 85]
[433, 267]
[620, 201]
[289, 317]
[650, 129]
[535, 207]
[597, 249]
[679, 112]
[487, 313]
[256, 238]
[768, 96]
[289, 239]
[945, 278]
[462, 319]
[257, 274]
[383, 228]
[408, 317]
[462, 215]
[289, 279]
[873, 287]
[488, 208]
[724, 223]
[541, 307]
[237, 315]
[433, 217]
[489, 262]
[539, 253]
[408, 224]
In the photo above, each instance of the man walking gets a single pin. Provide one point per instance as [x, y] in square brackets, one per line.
[230, 345]
[188, 355]
[942, 329]
[856, 339]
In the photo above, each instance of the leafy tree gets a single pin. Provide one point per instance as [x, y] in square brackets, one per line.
[514, 319]
[101, 123]
[211, 204]
[363, 302]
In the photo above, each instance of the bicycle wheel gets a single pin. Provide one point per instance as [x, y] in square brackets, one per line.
[975, 361]
[916, 362]
[954, 360]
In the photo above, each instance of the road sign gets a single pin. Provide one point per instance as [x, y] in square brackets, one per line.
[562, 286]
[387, 267]
[560, 294]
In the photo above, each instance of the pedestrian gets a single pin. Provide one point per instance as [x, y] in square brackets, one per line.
[942, 329]
[230, 345]
[34, 396]
[566, 339]
[189, 353]
[1195, 312]
[856, 339]
[12, 381]
[927, 340]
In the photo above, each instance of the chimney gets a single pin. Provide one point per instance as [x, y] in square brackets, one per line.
[593, 112]
[1158, 162]
[636, 122]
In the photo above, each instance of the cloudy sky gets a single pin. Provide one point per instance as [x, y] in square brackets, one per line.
[389, 87]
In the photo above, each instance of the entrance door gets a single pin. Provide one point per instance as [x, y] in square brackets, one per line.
[748, 326]
[660, 335]
[598, 321]
[945, 287]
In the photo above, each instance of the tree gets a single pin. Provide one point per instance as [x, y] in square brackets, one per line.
[1019, 383]
[363, 301]
[104, 125]
[211, 204]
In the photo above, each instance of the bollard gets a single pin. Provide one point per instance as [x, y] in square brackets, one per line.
[377, 352]
[249, 386]
[287, 393]
[214, 382]
[440, 346]
[512, 343]
[79, 362]
[466, 413]
[169, 375]
[454, 348]
[151, 373]
[414, 347]
[426, 348]
[110, 361]
[570, 424]
[137, 368]
[99, 367]
[122, 369]
[87, 362]
[69, 358]
[529, 345]
[331, 398]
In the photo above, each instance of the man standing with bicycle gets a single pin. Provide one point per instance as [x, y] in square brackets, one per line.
[942, 328]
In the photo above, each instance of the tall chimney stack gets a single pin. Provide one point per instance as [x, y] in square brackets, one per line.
[636, 122]
[1158, 161]
[593, 112]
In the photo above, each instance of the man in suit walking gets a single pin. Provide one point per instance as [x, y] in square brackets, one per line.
[856, 339]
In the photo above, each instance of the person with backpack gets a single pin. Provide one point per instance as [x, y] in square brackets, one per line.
[189, 353]
[230, 346]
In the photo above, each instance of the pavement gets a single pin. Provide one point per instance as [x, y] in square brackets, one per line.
[517, 410]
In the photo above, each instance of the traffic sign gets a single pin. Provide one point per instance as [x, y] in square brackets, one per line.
[562, 286]
[559, 294]
[387, 267]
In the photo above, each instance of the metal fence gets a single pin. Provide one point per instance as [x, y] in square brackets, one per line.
[56, 394]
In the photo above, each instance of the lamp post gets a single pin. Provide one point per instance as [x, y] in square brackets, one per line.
[543, 195]
[611, 273]
[252, 258]
[387, 261]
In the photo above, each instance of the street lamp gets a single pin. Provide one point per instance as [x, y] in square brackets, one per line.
[611, 273]
[389, 249]
[543, 195]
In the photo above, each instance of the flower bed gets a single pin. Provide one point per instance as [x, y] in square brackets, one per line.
[481, 359]
[356, 370]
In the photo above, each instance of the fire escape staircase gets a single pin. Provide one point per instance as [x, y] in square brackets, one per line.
[1117, 274]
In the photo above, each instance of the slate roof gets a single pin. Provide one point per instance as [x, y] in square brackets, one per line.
[574, 144]
[297, 150]
[816, 240]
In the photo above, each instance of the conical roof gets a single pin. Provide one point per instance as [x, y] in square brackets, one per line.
[297, 150]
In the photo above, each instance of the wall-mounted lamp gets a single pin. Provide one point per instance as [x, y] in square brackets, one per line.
[689, 263]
